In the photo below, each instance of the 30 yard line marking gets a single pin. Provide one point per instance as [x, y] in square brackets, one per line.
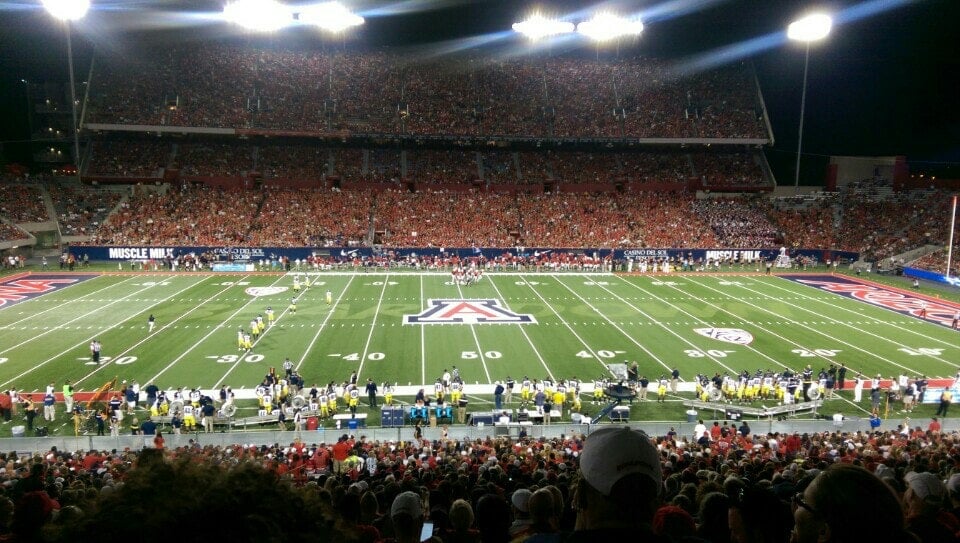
[211, 332]
[698, 320]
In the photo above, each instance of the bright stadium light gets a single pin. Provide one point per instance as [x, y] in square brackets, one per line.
[258, 15]
[809, 29]
[606, 26]
[67, 10]
[331, 16]
[538, 26]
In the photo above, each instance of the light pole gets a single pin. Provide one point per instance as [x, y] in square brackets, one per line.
[808, 29]
[66, 11]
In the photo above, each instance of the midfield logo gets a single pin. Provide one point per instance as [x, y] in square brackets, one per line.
[730, 335]
[467, 312]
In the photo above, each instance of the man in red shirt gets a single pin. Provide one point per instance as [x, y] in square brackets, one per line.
[934, 426]
[341, 451]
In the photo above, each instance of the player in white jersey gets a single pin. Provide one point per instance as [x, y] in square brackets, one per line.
[329, 297]
[270, 317]
[254, 329]
[240, 340]
[260, 325]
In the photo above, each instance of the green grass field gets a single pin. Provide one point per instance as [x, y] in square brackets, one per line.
[579, 324]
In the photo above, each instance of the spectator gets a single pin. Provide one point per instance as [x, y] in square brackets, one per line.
[619, 488]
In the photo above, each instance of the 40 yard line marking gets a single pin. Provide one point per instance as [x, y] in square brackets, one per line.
[569, 328]
[525, 335]
[323, 325]
[376, 314]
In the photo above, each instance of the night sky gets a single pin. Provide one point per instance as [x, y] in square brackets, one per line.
[880, 84]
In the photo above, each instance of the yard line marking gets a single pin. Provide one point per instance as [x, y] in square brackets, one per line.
[631, 338]
[876, 320]
[570, 328]
[376, 314]
[696, 320]
[56, 356]
[816, 331]
[476, 340]
[58, 303]
[423, 342]
[80, 318]
[323, 325]
[218, 328]
[527, 337]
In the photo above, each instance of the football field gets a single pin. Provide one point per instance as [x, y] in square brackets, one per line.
[408, 327]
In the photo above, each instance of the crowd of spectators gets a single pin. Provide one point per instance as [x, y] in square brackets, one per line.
[725, 485]
[188, 215]
[128, 158]
[719, 170]
[937, 262]
[10, 232]
[81, 208]
[390, 92]
[737, 222]
[21, 202]
[311, 218]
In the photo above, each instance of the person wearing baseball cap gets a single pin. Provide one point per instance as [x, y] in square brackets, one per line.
[924, 505]
[619, 486]
[406, 513]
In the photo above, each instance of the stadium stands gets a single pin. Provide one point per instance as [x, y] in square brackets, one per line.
[383, 92]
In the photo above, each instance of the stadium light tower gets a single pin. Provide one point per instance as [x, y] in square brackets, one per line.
[66, 11]
[809, 29]
[606, 27]
[330, 16]
[258, 15]
[538, 26]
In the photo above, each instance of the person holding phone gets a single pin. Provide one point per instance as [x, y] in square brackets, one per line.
[409, 525]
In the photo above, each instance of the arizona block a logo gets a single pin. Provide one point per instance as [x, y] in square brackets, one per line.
[467, 312]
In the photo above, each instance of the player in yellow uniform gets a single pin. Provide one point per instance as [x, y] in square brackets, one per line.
[329, 297]
[247, 341]
[296, 283]
[332, 403]
[293, 306]
[260, 324]
[269, 312]
[240, 342]
[388, 393]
